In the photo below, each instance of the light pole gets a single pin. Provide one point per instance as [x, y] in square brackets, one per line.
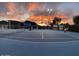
[49, 13]
[53, 11]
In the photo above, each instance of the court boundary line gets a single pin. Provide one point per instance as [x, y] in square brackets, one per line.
[37, 42]
[36, 38]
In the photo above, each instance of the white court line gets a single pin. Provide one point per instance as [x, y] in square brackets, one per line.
[59, 38]
[15, 37]
[35, 38]
[36, 42]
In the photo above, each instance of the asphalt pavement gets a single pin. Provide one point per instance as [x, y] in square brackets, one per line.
[39, 43]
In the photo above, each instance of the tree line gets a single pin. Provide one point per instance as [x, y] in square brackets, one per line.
[16, 25]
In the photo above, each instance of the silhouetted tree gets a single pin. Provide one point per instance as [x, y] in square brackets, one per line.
[66, 25]
[14, 24]
[34, 25]
[76, 19]
[29, 24]
[56, 22]
[3, 24]
[76, 26]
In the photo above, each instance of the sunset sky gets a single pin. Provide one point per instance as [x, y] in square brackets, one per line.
[39, 12]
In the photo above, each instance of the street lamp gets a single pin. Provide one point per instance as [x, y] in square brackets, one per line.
[49, 11]
[49, 14]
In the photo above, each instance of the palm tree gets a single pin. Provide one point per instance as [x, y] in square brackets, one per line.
[56, 21]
